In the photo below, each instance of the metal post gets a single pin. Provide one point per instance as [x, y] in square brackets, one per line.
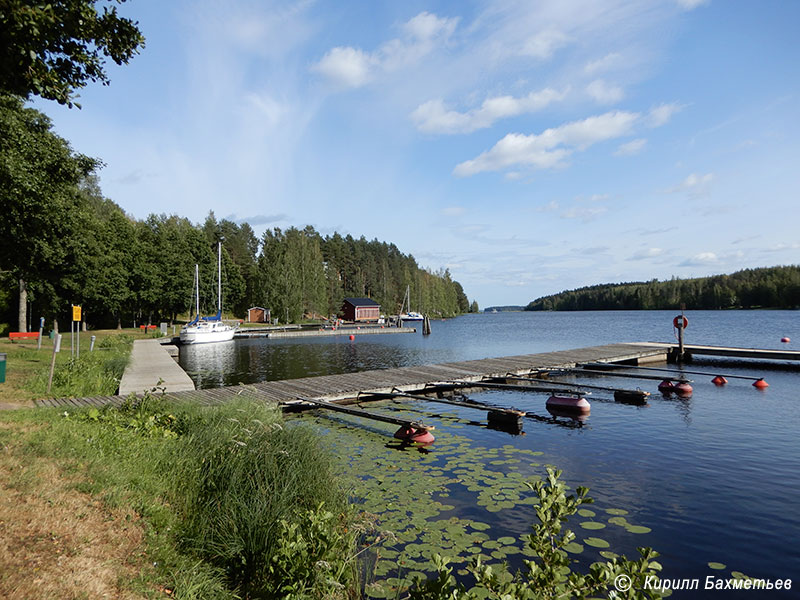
[41, 328]
[72, 339]
[78, 334]
[91, 343]
[56, 348]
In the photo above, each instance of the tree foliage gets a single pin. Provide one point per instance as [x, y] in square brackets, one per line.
[772, 287]
[52, 49]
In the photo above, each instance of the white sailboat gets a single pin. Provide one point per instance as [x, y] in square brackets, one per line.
[410, 315]
[203, 330]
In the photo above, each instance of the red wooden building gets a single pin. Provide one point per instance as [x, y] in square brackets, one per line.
[258, 314]
[360, 309]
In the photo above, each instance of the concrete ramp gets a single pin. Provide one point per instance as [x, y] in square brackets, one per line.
[151, 366]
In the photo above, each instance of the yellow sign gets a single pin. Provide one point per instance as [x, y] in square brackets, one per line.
[76, 313]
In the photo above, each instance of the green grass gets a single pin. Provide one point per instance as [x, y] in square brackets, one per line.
[228, 494]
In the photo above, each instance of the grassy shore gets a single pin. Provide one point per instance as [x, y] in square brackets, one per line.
[169, 500]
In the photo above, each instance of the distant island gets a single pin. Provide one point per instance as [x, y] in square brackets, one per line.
[769, 287]
[494, 309]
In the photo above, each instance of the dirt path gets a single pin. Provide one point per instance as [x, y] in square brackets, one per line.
[56, 542]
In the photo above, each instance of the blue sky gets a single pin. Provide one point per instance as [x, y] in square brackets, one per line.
[529, 147]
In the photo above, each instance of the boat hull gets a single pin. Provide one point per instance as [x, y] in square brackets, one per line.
[201, 335]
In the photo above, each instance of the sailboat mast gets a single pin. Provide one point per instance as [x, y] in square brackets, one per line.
[197, 290]
[219, 278]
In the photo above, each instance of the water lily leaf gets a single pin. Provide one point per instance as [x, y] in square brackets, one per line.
[592, 525]
[616, 511]
[608, 554]
[716, 566]
[574, 548]
[585, 512]
[637, 529]
[596, 542]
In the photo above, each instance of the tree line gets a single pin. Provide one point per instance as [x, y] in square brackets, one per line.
[769, 287]
[62, 242]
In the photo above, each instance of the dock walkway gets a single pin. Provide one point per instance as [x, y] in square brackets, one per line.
[151, 366]
[406, 379]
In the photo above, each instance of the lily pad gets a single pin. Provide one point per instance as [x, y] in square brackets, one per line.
[637, 529]
[616, 511]
[574, 548]
[592, 525]
[585, 512]
[716, 566]
[596, 542]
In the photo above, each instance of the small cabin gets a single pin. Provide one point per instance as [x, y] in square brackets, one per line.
[360, 309]
[258, 314]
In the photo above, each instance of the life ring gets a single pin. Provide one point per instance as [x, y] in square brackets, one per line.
[677, 320]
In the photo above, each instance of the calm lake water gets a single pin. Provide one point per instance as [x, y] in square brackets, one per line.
[715, 478]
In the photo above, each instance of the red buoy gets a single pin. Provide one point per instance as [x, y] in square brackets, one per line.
[574, 404]
[719, 380]
[419, 436]
[682, 388]
[423, 436]
[760, 384]
[405, 432]
[785, 340]
[352, 337]
[665, 386]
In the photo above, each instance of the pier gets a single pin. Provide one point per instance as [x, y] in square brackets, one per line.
[333, 388]
[416, 379]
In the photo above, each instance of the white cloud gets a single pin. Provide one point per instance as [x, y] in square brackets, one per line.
[603, 92]
[702, 259]
[552, 146]
[349, 67]
[631, 148]
[434, 117]
[353, 67]
[647, 253]
[693, 185]
[584, 213]
[544, 44]
[661, 114]
[691, 4]
[601, 65]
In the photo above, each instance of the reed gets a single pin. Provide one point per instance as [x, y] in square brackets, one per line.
[245, 479]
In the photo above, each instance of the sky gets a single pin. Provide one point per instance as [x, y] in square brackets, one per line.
[527, 146]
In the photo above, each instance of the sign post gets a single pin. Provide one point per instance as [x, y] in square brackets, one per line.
[76, 319]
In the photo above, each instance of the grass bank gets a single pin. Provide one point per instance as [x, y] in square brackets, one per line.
[220, 502]
[93, 373]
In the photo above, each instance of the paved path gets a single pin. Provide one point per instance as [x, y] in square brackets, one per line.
[150, 367]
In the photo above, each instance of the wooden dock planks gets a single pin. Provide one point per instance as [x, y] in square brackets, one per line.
[407, 379]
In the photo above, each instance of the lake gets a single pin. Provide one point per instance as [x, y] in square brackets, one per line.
[709, 479]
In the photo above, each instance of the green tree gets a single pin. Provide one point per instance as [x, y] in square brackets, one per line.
[52, 49]
[39, 177]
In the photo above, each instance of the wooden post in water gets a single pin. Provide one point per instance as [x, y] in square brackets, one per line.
[426, 326]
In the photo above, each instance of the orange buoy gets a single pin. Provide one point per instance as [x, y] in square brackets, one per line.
[666, 386]
[682, 388]
[423, 436]
[785, 340]
[760, 384]
[352, 337]
[719, 380]
[574, 404]
[405, 432]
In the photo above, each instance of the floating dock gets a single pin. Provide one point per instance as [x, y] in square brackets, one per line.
[348, 386]
[150, 367]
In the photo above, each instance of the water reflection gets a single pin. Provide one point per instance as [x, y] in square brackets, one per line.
[209, 364]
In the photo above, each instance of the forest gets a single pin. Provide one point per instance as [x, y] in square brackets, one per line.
[62, 243]
[769, 287]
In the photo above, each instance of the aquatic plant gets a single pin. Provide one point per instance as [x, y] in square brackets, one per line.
[551, 574]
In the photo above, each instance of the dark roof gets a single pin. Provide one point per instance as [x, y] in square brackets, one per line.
[361, 301]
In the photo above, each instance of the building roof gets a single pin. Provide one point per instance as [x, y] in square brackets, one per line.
[361, 301]
[256, 308]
